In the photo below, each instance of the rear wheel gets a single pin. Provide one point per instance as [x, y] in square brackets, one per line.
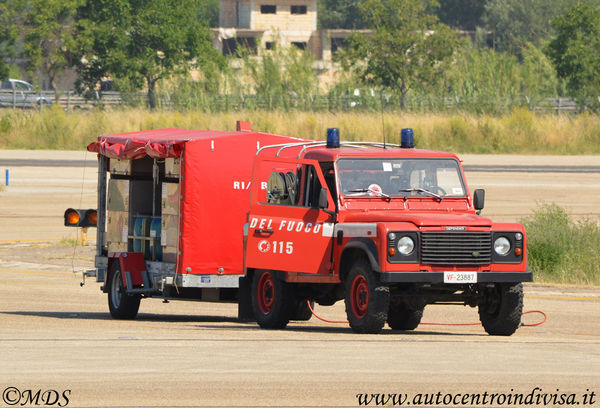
[272, 300]
[120, 304]
[302, 311]
[367, 300]
[502, 307]
[401, 316]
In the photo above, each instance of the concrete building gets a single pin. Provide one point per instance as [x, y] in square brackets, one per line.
[259, 24]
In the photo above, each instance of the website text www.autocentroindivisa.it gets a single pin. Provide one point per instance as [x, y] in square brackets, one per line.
[537, 396]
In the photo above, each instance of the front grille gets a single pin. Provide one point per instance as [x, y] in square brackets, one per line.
[456, 248]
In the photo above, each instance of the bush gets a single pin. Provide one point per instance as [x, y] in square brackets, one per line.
[562, 250]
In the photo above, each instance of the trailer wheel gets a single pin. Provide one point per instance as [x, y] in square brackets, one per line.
[302, 311]
[121, 305]
[367, 300]
[502, 307]
[273, 300]
[403, 317]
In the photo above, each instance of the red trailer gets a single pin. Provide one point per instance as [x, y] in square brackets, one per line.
[171, 207]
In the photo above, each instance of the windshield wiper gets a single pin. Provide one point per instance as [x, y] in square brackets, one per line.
[368, 190]
[421, 190]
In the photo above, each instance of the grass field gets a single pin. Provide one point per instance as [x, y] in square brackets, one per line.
[522, 131]
[560, 250]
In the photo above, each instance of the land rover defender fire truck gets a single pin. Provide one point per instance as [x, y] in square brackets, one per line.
[275, 223]
[389, 229]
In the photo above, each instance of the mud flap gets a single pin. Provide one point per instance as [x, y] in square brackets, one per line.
[245, 312]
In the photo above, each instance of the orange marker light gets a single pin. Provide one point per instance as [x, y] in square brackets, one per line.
[518, 251]
[73, 217]
[93, 217]
[392, 251]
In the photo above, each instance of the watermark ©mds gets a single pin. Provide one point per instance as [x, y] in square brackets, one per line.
[536, 397]
[13, 396]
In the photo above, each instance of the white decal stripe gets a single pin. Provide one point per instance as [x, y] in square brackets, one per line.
[357, 230]
[328, 229]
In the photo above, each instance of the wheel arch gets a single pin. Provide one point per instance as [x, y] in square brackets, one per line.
[358, 247]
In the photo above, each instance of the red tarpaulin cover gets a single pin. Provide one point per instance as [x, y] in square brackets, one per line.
[216, 172]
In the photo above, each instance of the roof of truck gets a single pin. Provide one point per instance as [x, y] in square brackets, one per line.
[323, 154]
[163, 143]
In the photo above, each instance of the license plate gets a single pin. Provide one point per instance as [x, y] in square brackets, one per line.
[460, 277]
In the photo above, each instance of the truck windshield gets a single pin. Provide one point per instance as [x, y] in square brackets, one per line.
[387, 177]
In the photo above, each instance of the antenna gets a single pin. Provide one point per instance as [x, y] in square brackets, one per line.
[382, 118]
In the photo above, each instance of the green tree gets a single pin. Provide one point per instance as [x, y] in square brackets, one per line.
[49, 35]
[339, 14]
[517, 22]
[208, 12]
[575, 49]
[407, 46]
[11, 21]
[463, 14]
[141, 41]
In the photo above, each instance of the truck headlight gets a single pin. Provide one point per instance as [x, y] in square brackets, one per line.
[502, 245]
[406, 245]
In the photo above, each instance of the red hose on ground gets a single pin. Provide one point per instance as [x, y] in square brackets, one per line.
[439, 324]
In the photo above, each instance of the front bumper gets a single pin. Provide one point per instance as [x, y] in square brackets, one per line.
[438, 277]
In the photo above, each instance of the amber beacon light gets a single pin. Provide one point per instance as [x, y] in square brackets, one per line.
[81, 218]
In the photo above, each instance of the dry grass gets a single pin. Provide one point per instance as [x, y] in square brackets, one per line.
[522, 131]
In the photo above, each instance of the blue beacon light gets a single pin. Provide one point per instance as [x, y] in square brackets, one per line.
[333, 138]
[406, 140]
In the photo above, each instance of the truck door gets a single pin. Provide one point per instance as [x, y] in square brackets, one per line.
[286, 228]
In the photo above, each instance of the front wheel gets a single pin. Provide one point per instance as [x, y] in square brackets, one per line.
[272, 300]
[367, 300]
[501, 309]
[120, 304]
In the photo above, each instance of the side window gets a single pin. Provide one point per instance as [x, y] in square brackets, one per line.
[21, 87]
[313, 188]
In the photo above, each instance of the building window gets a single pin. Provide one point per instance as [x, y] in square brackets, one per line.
[232, 46]
[299, 45]
[268, 9]
[337, 44]
[269, 45]
[298, 9]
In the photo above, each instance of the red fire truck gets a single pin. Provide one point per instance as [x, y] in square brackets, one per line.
[274, 222]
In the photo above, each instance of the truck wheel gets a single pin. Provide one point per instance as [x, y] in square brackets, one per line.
[502, 307]
[272, 300]
[301, 311]
[121, 305]
[402, 317]
[367, 300]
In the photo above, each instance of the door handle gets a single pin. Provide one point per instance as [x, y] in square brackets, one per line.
[264, 231]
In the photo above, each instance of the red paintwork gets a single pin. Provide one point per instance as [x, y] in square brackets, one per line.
[216, 174]
[316, 259]
[132, 262]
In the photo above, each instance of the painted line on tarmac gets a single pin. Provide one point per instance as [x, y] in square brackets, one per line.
[557, 297]
[16, 241]
[20, 271]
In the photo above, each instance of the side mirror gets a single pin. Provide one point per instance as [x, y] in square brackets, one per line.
[478, 199]
[323, 204]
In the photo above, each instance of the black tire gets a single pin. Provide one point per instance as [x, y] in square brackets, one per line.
[273, 300]
[121, 305]
[302, 311]
[401, 316]
[502, 307]
[367, 300]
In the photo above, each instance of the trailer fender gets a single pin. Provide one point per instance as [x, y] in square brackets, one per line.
[132, 262]
[358, 246]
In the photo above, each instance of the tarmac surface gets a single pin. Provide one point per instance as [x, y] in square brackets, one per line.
[57, 336]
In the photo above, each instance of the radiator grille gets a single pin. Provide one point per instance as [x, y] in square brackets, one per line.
[456, 248]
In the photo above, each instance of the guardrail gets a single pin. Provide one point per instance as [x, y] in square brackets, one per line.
[70, 100]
